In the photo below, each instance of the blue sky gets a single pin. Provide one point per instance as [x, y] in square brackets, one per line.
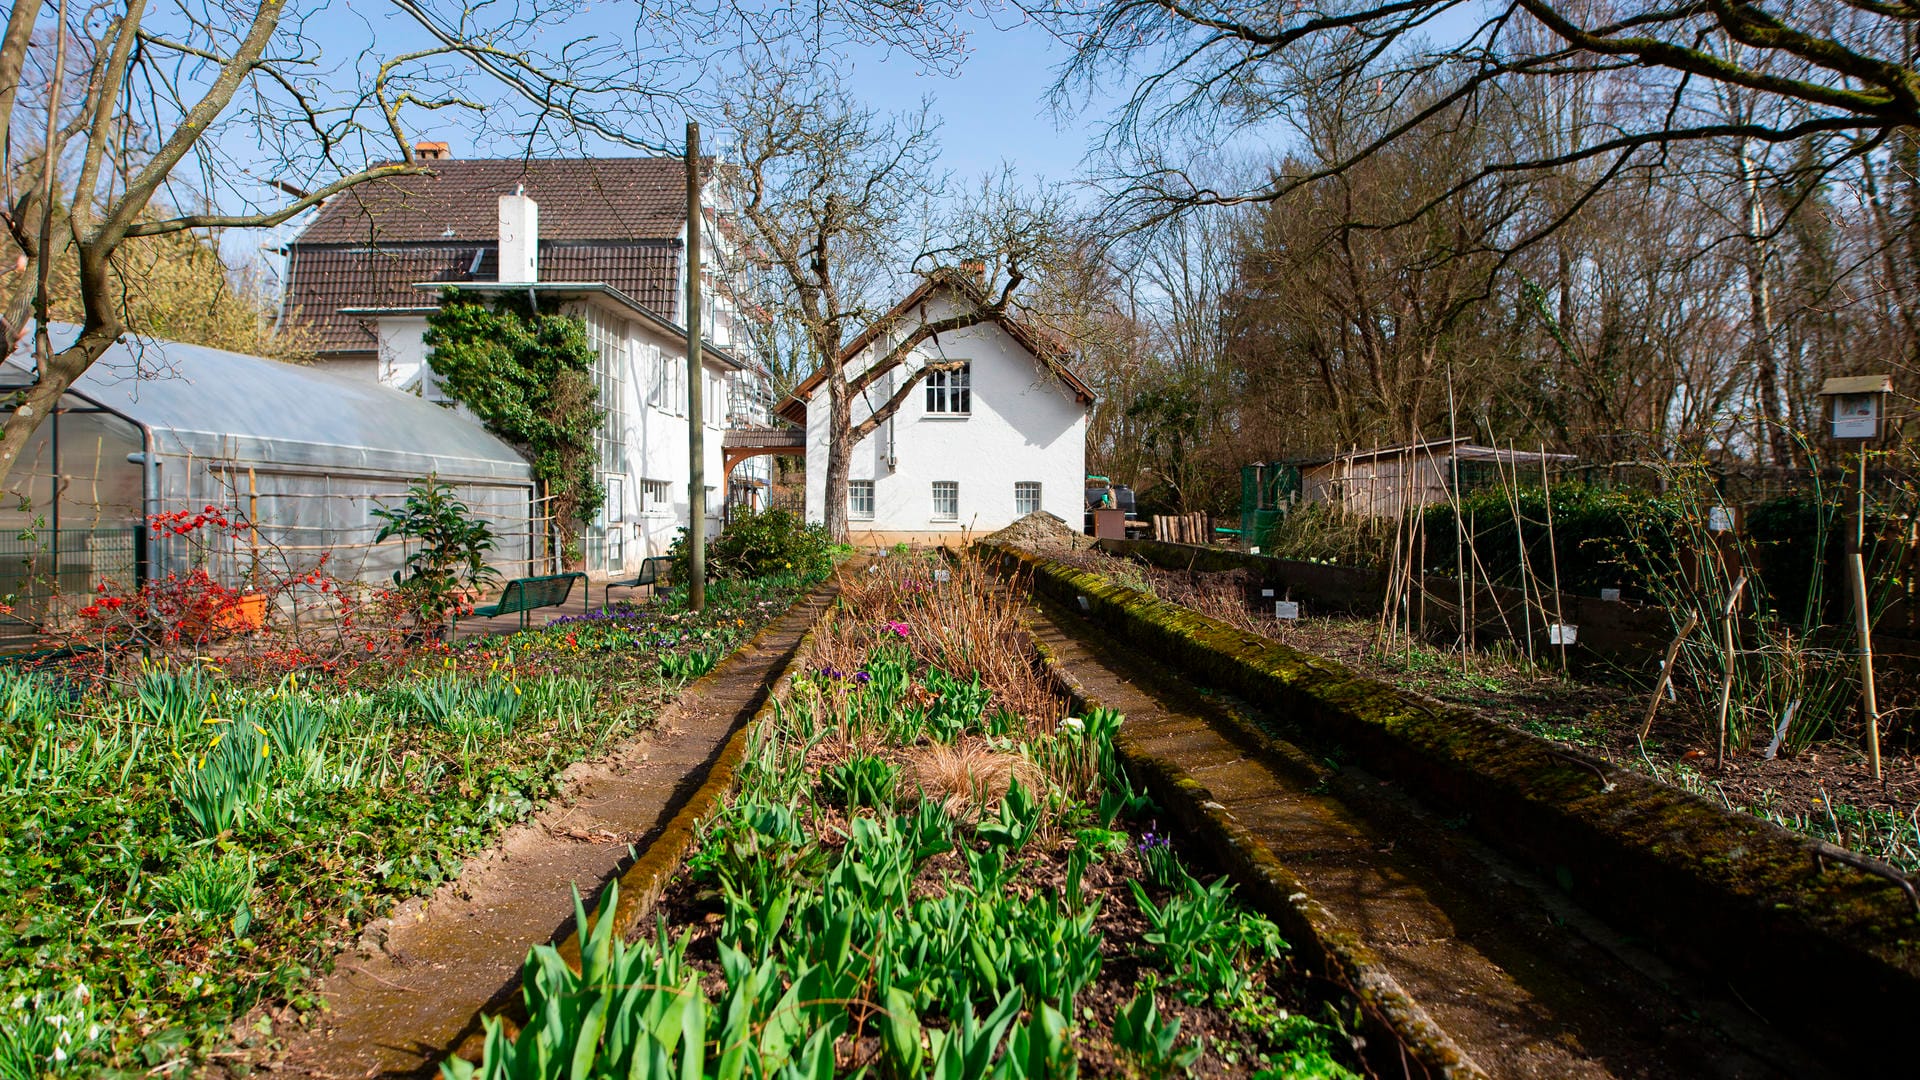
[995, 108]
[992, 109]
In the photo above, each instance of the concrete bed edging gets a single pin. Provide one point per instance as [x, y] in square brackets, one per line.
[1400, 1034]
[1729, 895]
[645, 880]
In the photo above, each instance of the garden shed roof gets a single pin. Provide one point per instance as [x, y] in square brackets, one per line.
[214, 404]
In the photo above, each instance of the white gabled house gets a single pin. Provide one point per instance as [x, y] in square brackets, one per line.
[970, 451]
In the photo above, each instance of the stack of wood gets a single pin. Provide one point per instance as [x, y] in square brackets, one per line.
[1195, 528]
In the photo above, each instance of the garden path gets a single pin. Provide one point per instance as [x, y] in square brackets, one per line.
[421, 978]
[1524, 982]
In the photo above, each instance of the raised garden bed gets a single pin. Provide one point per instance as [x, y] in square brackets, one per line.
[925, 869]
[1704, 885]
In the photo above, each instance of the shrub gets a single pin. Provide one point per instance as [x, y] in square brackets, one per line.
[451, 556]
[762, 544]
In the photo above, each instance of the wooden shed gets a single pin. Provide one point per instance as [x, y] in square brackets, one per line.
[1385, 481]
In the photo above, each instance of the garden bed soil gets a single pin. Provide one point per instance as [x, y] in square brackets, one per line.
[414, 985]
[1826, 791]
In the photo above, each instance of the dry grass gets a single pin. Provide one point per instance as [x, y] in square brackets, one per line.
[964, 624]
[968, 776]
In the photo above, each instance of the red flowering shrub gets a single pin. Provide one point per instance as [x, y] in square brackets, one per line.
[282, 620]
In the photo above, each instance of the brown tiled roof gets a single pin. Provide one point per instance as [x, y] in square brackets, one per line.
[1046, 346]
[616, 221]
[323, 280]
[580, 199]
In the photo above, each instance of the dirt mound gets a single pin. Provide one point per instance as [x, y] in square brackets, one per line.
[1041, 531]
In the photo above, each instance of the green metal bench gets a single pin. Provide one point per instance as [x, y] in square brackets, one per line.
[654, 572]
[532, 593]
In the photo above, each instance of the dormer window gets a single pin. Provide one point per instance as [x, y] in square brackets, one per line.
[950, 393]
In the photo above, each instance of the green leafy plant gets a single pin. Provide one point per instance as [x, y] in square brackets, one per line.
[208, 886]
[762, 543]
[689, 665]
[1153, 1040]
[862, 781]
[528, 375]
[1210, 946]
[449, 545]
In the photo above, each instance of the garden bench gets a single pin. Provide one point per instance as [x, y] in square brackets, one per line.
[531, 593]
[654, 572]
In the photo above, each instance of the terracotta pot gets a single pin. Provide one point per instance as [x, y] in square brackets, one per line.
[249, 612]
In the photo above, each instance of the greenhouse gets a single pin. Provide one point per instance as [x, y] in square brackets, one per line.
[302, 456]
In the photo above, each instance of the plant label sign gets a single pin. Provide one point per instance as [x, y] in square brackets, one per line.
[1719, 519]
[1266, 594]
[942, 576]
[1285, 610]
[1562, 634]
[1609, 594]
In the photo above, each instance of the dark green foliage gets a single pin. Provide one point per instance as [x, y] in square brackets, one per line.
[768, 543]
[863, 781]
[1592, 529]
[451, 552]
[528, 376]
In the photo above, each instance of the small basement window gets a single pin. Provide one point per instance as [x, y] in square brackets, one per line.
[860, 499]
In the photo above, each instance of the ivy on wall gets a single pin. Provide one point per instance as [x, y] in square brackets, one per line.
[528, 375]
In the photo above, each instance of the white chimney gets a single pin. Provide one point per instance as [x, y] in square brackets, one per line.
[519, 238]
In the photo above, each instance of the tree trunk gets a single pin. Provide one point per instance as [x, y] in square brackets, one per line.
[839, 452]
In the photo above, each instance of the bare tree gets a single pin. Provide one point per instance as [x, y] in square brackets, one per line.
[842, 207]
[126, 123]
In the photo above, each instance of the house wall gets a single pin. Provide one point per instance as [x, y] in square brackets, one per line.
[1024, 425]
[654, 436]
[403, 355]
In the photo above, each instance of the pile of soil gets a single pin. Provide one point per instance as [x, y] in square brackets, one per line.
[1041, 531]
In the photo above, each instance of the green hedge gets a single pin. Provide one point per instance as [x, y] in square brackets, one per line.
[1791, 546]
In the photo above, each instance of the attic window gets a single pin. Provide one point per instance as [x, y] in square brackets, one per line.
[951, 392]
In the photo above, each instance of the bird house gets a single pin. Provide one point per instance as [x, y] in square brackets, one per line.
[1856, 405]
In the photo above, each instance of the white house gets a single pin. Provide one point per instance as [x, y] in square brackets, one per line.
[604, 239]
[969, 451]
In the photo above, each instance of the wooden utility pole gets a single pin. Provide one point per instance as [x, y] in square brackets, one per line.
[696, 418]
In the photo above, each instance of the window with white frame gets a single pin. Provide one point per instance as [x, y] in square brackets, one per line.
[656, 498]
[669, 392]
[946, 500]
[860, 499]
[714, 399]
[950, 393]
[1026, 497]
[608, 336]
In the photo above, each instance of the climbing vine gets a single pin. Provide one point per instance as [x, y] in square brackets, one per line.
[528, 375]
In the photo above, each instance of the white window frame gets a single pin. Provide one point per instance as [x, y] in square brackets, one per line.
[656, 498]
[614, 510]
[669, 393]
[950, 393]
[855, 488]
[952, 514]
[1024, 487]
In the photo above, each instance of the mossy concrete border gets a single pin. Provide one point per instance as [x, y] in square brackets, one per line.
[1401, 1038]
[1817, 947]
[645, 880]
